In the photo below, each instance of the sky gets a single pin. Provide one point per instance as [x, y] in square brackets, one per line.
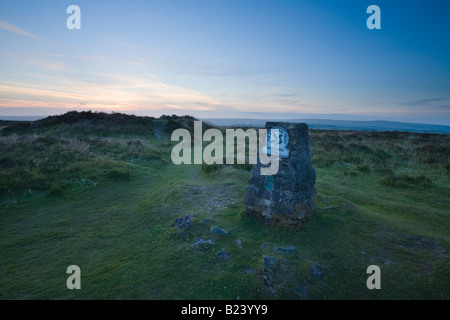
[282, 59]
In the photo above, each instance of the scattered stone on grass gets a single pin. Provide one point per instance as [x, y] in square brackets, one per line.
[301, 290]
[270, 266]
[223, 254]
[249, 271]
[217, 230]
[316, 272]
[183, 223]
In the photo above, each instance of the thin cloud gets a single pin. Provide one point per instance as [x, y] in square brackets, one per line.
[220, 70]
[420, 103]
[430, 104]
[14, 29]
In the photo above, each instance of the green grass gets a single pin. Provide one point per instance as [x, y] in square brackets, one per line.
[108, 206]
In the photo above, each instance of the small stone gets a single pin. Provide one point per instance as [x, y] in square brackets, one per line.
[329, 207]
[183, 223]
[217, 230]
[267, 281]
[202, 242]
[269, 263]
[249, 271]
[239, 243]
[301, 290]
[223, 254]
[286, 249]
[316, 272]
[265, 245]
[362, 252]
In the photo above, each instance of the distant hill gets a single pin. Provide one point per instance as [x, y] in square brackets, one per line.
[339, 125]
[123, 123]
[88, 122]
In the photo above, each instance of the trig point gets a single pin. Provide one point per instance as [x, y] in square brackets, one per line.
[288, 197]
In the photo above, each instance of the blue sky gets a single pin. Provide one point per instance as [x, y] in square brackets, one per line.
[232, 59]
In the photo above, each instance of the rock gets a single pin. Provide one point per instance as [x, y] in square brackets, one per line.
[269, 264]
[316, 272]
[363, 253]
[217, 230]
[329, 207]
[289, 196]
[267, 282]
[183, 223]
[265, 245]
[249, 271]
[301, 289]
[202, 242]
[239, 243]
[223, 254]
[286, 249]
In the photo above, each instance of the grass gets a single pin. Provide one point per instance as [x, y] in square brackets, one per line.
[95, 199]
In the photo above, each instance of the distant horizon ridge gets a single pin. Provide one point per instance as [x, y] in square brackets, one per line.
[313, 123]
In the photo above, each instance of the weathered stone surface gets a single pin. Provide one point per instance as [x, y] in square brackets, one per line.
[217, 230]
[288, 197]
[183, 223]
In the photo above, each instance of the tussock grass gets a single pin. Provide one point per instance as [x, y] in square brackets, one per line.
[82, 189]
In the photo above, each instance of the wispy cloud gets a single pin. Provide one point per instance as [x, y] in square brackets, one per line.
[220, 70]
[14, 29]
[116, 92]
[427, 103]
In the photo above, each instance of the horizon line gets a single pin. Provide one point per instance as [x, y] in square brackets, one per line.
[39, 117]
